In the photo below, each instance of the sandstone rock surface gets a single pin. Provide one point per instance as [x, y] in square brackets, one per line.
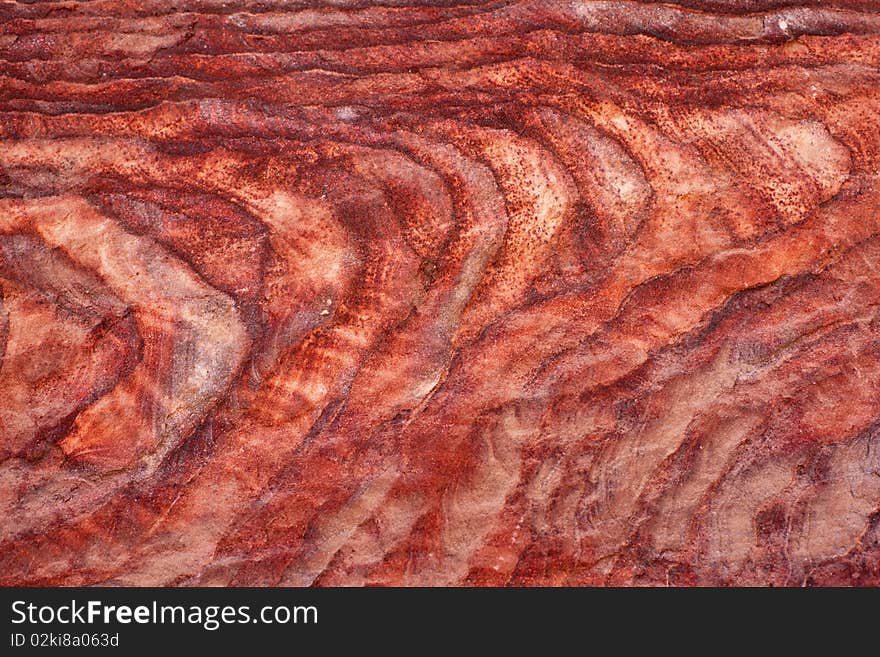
[531, 292]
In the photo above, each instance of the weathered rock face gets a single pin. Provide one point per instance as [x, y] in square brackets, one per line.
[533, 292]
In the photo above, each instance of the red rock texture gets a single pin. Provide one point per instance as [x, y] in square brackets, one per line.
[533, 292]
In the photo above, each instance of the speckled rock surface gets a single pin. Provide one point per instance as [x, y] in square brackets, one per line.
[530, 292]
